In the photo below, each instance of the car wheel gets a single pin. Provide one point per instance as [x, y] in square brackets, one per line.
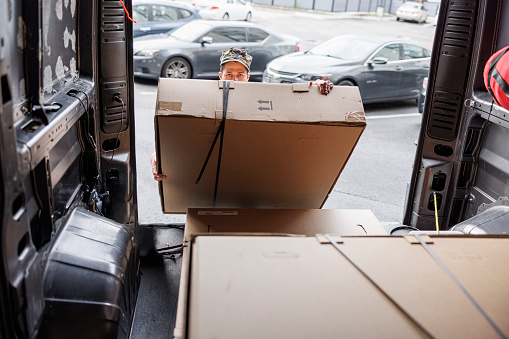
[226, 16]
[177, 68]
[398, 19]
[346, 83]
[249, 16]
[420, 103]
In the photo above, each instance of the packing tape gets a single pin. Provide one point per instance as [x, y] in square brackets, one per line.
[170, 106]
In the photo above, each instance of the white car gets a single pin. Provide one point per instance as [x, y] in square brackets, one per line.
[412, 11]
[224, 9]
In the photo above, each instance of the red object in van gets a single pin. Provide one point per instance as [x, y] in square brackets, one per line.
[496, 77]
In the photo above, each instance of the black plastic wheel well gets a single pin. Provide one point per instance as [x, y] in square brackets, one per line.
[347, 79]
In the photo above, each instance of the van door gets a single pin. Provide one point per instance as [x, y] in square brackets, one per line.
[66, 137]
[461, 155]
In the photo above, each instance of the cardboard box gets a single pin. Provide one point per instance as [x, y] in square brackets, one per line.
[282, 221]
[284, 145]
[304, 222]
[303, 287]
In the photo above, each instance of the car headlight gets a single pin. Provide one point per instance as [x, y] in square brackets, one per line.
[311, 77]
[146, 52]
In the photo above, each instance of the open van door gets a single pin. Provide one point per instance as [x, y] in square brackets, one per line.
[462, 154]
[68, 178]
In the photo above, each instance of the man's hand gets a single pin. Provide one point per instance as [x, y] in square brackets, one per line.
[324, 86]
[157, 176]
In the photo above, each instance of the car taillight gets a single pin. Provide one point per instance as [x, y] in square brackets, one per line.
[298, 48]
[214, 7]
[425, 83]
[415, 12]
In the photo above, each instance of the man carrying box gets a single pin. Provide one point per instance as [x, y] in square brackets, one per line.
[235, 65]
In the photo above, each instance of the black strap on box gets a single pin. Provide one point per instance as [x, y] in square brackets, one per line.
[220, 132]
[378, 287]
[456, 281]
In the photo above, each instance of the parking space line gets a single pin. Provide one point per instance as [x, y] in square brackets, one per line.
[390, 116]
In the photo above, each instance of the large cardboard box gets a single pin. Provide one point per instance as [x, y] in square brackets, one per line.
[282, 146]
[282, 221]
[295, 222]
[303, 287]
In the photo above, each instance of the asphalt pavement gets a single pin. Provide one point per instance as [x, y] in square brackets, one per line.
[378, 170]
[380, 166]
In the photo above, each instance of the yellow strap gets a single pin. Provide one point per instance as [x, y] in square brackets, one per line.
[436, 212]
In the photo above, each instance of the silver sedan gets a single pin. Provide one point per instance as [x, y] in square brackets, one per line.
[412, 11]
[384, 68]
[193, 50]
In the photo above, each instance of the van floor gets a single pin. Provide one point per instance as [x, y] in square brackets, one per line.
[156, 307]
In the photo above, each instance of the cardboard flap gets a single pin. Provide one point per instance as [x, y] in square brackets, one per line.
[260, 102]
[282, 221]
[244, 234]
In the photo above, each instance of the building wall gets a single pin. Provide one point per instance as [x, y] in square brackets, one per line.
[390, 6]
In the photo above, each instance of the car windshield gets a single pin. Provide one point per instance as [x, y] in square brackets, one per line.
[190, 31]
[345, 48]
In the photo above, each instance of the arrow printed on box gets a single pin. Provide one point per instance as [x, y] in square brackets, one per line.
[261, 108]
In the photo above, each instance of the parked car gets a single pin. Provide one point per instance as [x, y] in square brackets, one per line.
[193, 50]
[422, 95]
[412, 11]
[225, 9]
[384, 68]
[156, 16]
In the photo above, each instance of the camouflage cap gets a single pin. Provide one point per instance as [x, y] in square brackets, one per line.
[238, 55]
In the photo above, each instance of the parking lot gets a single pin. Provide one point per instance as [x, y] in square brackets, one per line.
[315, 27]
[378, 171]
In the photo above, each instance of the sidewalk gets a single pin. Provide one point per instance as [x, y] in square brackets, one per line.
[322, 15]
